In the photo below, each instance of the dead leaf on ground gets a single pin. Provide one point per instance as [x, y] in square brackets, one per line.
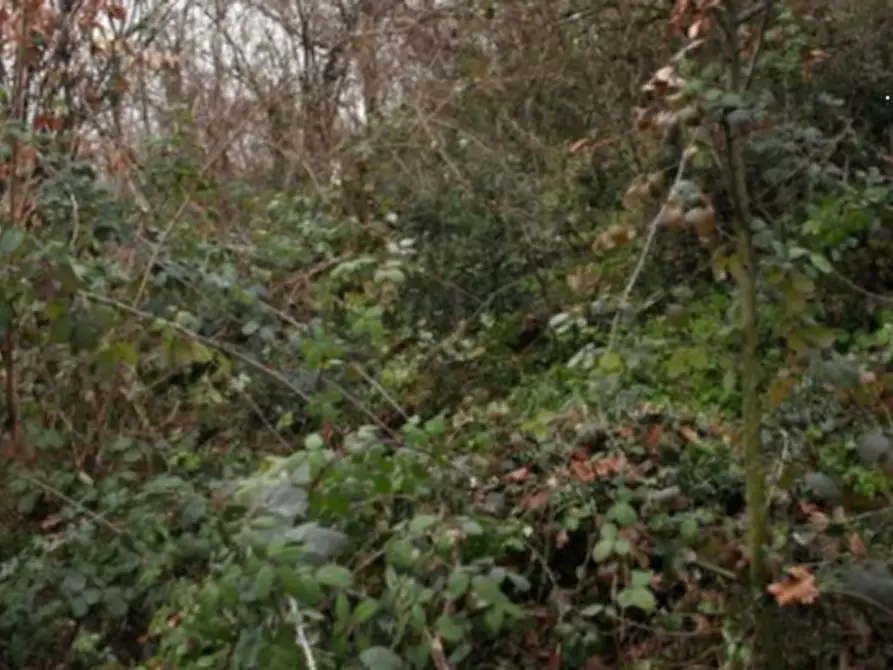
[857, 545]
[816, 517]
[690, 434]
[626, 432]
[536, 500]
[652, 442]
[799, 589]
[609, 466]
[518, 475]
[584, 471]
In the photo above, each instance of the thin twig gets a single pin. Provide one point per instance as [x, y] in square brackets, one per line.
[301, 635]
[640, 265]
[752, 66]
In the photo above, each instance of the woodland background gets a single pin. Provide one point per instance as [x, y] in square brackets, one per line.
[458, 334]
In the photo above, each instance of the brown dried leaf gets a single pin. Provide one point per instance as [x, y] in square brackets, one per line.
[608, 467]
[652, 442]
[584, 471]
[672, 216]
[517, 476]
[536, 500]
[857, 545]
[116, 11]
[690, 434]
[799, 589]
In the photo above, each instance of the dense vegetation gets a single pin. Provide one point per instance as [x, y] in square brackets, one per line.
[507, 334]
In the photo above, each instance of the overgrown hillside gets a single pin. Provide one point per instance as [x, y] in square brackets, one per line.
[500, 334]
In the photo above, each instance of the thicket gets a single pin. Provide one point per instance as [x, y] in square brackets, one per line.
[512, 334]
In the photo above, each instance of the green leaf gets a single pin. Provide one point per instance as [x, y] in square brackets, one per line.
[821, 263]
[451, 628]
[335, 576]
[300, 586]
[471, 528]
[624, 514]
[457, 584]
[641, 578]
[520, 582]
[622, 546]
[393, 275]
[314, 441]
[79, 606]
[602, 550]
[74, 582]
[493, 619]
[342, 610]
[642, 598]
[487, 590]
[380, 658]
[739, 118]
[803, 284]
[697, 359]
[823, 338]
[731, 100]
[460, 654]
[689, 529]
[592, 610]
[92, 596]
[365, 610]
[435, 427]
[678, 363]
[115, 604]
[263, 581]
[422, 522]
[11, 239]
[729, 381]
[400, 553]
[610, 362]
